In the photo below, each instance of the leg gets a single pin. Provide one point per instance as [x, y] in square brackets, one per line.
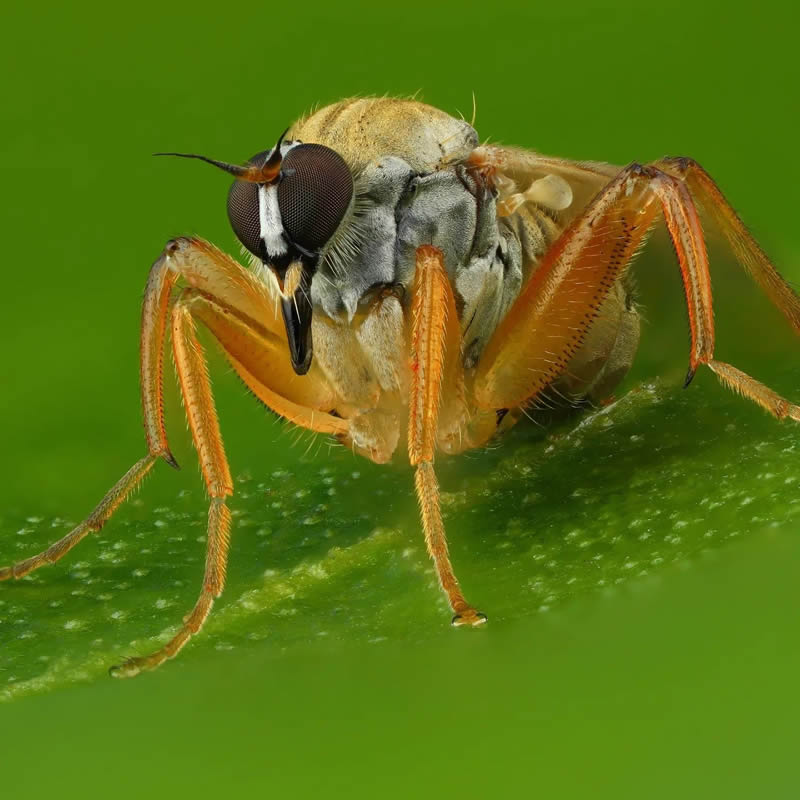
[93, 523]
[562, 297]
[254, 356]
[758, 265]
[240, 312]
[154, 315]
[750, 388]
[561, 300]
[241, 296]
[260, 355]
[199, 403]
[435, 348]
[744, 246]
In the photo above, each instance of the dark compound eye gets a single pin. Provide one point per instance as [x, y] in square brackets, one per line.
[314, 194]
[243, 211]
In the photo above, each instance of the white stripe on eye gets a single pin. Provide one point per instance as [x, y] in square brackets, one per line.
[270, 219]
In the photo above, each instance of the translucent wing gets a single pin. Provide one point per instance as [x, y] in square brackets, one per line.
[561, 185]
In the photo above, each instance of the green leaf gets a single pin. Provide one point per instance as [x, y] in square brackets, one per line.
[334, 548]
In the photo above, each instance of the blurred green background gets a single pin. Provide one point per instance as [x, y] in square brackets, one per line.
[638, 566]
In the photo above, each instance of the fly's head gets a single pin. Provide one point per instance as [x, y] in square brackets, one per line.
[285, 206]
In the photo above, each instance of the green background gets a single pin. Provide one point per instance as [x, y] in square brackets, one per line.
[638, 565]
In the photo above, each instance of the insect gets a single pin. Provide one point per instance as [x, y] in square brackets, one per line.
[411, 289]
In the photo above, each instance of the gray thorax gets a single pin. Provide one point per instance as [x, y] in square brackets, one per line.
[395, 212]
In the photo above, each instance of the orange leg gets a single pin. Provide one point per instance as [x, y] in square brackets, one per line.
[157, 293]
[435, 347]
[238, 308]
[546, 325]
[154, 316]
[93, 523]
[255, 356]
[741, 241]
[199, 403]
[549, 319]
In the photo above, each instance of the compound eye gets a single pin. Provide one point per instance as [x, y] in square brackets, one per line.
[243, 211]
[314, 194]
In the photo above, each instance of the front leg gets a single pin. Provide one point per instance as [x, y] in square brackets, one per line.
[240, 312]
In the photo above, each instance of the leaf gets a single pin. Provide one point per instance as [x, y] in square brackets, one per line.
[334, 549]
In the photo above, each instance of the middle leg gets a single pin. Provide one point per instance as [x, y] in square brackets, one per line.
[435, 351]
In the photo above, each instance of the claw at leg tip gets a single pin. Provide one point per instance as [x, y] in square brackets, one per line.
[127, 669]
[470, 617]
[170, 459]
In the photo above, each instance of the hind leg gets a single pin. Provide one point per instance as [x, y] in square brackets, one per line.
[562, 298]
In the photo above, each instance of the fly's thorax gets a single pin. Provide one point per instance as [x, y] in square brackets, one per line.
[396, 211]
[340, 206]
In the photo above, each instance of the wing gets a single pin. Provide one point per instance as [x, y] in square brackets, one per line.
[526, 177]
